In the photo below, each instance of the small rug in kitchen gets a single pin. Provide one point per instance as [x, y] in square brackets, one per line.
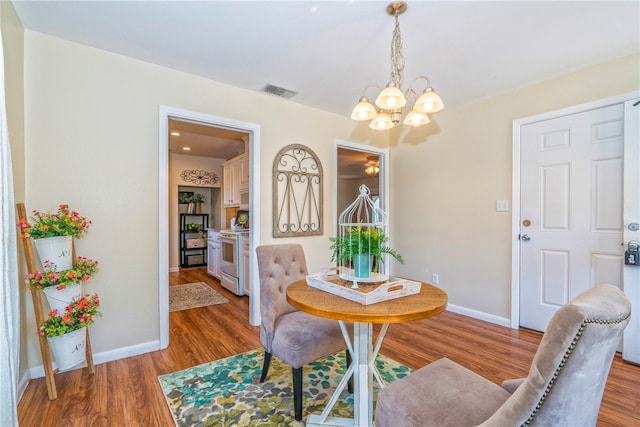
[192, 295]
[228, 392]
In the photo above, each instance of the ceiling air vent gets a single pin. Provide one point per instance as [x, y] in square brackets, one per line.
[278, 91]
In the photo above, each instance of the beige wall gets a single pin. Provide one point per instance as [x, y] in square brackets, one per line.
[444, 189]
[13, 47]
[92, 142]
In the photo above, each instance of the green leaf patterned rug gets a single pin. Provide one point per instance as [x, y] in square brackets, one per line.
[228, 392]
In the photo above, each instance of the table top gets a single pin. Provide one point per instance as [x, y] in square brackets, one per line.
[429, 302]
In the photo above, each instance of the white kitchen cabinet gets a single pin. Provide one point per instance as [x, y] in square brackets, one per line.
[244, 172]
[235, 177]
[214, 253]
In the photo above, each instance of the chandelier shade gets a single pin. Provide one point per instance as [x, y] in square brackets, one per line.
[391, 101]
[429, 102]
[364, 110]
[391, 98]
[382, 121]
[416, 118]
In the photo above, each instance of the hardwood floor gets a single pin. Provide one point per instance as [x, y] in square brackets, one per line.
[127, 393]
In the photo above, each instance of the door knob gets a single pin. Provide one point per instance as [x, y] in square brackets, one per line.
[525, 237]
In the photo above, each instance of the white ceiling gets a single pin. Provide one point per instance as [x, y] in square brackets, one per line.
[328, 51]
[197, 139]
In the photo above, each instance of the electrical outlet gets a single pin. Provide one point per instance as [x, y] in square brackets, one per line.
[436, 278]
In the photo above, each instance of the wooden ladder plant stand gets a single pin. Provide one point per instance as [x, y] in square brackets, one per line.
[36, 296]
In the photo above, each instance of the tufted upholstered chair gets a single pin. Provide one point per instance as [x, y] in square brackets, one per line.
[564, 386]
[296, 337]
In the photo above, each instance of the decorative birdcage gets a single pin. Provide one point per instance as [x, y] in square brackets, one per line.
[361, 246]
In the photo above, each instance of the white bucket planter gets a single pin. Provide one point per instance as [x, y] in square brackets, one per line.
[60, 298]
[57, 250]
[69, 349]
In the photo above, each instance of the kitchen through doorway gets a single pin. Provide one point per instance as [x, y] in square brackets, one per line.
[202, 162]
[196, 151]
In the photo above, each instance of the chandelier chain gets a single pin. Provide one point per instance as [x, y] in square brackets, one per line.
[397, 58]
[392, 102]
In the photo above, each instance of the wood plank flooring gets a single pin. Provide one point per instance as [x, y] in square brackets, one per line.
[127, 393]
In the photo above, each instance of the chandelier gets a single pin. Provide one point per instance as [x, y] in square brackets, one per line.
[391, 100]
[372, 167]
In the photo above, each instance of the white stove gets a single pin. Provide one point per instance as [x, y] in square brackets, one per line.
[232, 263]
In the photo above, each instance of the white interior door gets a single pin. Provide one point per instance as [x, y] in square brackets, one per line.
[571, 210]
[631, 274]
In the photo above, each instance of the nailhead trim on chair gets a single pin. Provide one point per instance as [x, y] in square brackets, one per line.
[572, 346]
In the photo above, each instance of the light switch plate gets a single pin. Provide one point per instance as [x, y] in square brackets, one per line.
[502, 206]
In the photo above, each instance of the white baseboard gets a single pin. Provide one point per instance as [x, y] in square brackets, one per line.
[174, 269]
[106, 356]
[23, 382]
[502, 321]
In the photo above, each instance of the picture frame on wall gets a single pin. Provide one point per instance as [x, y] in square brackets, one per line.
[184, 197]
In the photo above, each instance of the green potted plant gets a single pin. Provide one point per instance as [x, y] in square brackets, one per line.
[47, 224]
[52, 234]
[78, 314]
[362, 247]
[195, 202]
[197, 228]
[66, 332]
[197, 198]
[61, 287]
[83, 270]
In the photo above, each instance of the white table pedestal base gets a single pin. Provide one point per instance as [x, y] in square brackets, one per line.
[363, 369]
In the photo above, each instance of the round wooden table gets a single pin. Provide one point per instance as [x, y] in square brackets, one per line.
[429, 302]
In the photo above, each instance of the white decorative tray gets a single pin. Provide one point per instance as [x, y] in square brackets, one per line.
[331, 281]
[348, 274]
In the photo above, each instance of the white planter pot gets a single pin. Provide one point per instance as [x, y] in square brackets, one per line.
[60, 299]
[57, 250]
[69, 349]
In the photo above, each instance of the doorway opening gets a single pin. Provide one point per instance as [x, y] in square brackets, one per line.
[176, 120]
[358, 164]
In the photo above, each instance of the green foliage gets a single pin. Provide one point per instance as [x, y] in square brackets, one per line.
[362, 241]
[83, 270]
[47, 224]
[197, 228]
[191, 198]
[197, 198]
[78, 314]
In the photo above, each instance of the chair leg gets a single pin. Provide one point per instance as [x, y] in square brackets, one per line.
[350, 383]
[265, 366]
[297, 392]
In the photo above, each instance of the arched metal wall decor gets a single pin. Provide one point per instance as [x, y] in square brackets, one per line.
[199, 177]
[297, 192]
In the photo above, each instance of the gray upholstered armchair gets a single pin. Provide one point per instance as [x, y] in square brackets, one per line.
[295, 337]
[564, 386]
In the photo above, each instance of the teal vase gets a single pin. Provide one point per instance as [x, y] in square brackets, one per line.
[362, 266]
